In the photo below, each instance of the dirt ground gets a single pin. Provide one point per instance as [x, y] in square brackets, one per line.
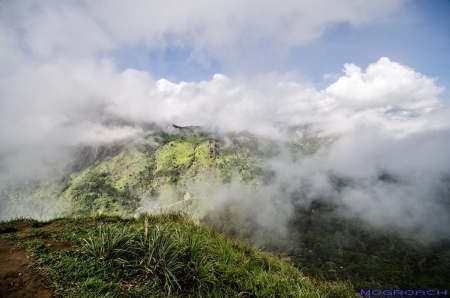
[17, 279]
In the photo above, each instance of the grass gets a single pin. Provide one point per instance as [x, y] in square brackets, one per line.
[166, 255]
[39, 233]
[110, 242]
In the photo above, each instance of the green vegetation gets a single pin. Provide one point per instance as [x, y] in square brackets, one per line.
[159, 256]
[39, 233]
[331, 247]
[116, 181]
[112, 179]
[338, 248]
[326, 246]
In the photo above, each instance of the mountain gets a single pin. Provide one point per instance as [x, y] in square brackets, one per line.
[113, 178]
[223, 180]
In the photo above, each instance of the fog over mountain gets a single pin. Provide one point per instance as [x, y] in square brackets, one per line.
[61, 86]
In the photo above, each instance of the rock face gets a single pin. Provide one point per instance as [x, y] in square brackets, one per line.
[213, 149]
[87, 155]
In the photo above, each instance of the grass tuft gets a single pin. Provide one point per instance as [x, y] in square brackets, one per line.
[164, 257]
[39, 233]
[110, 242]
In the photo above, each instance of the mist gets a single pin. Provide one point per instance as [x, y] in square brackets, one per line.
[386, 119]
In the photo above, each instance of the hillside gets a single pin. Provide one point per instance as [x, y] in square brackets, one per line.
[151, 256]
[185, 168]
[113, 178]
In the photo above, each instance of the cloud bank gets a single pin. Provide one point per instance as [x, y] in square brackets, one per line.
[60, 86]
[68, 102]
[210, 28]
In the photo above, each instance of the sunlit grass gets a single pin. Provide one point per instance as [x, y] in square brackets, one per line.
[164, 255]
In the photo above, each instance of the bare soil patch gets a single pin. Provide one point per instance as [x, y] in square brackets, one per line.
[17, 278]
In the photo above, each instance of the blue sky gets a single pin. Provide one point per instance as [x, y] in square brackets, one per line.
[418, 38]
[417, 35]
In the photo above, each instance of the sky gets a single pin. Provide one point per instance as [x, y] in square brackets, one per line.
[375, 75]
[417, 35]
[68, 65]
[186, 42]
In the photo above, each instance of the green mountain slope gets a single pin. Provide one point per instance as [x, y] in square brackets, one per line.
[115, 183]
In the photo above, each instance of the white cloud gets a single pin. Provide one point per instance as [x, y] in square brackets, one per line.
[66, 92]
[387, 95]
[385, 84]
[222, 29]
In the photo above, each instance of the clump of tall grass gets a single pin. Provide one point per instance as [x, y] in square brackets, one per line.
[110, 242]
[176, 257]
[167, 254]
[163, 256]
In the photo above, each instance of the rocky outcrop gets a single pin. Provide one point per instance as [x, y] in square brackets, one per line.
[186, 128]
[213, 149]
